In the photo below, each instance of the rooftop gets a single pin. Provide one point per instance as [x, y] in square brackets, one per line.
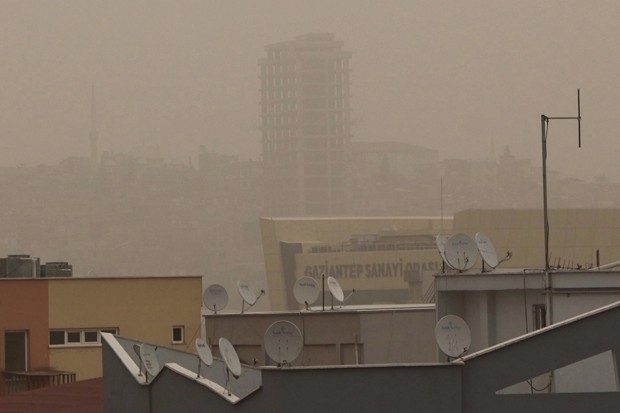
[80, 397]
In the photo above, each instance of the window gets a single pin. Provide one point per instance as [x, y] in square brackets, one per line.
[74, 337]
[91, 336]
[78, 337]
[57, 338]
[178, 334]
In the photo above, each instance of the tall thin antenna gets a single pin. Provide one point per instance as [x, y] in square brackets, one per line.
[579, 116]
[544, 125]
[93, 130]
[441, 202]
[544, 122]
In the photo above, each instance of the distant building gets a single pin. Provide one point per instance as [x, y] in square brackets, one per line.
[386, 260]
[25, 266]
[393, 178]
[305, 123]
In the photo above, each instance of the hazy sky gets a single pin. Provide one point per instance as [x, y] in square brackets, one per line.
[460, 77]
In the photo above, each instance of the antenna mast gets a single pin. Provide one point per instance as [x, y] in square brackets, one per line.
[544, 124]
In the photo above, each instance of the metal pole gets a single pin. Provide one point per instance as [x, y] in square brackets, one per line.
[543, 122]
[323, 285]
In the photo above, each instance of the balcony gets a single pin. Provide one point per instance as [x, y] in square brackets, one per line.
[17, 382]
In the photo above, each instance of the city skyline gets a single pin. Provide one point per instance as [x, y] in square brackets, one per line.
[466, 80]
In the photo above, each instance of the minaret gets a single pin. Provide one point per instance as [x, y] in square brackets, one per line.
[93, 131]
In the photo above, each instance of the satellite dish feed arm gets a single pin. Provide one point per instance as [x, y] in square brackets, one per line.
[349, 296]
[243, 302]
[506, 258]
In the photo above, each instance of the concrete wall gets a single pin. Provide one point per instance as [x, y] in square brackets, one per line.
[393, 389]
[546, 350]
[122, 393]
[497, 308]
[471, 385]
[383, 389]
[397, 335]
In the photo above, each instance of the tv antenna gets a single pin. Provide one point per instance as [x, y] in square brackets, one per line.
[544, 124]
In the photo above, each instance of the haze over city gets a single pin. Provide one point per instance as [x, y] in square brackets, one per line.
[466, 79]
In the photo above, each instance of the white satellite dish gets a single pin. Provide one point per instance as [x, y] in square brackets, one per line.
[453, 335]
[461, 252]
[487, 250]
[306, 291]
[441, 241]
[247, 294]
[283, 341]
[204, 352]
[231, 359]
[335, 289]
[149, 359]
[215, 297]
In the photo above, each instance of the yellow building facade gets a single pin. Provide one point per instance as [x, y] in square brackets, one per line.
[159, 310]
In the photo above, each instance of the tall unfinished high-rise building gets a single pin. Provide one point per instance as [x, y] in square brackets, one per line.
[306, 124]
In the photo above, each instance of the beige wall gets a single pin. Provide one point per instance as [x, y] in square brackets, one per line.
[574, 234]
[144, 308]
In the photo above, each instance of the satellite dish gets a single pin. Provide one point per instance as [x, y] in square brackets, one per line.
[487, 250]
[136, 349]
[204, 352]
[306, 290]
[461, 252]
[335, 289]
[215, 297]
[149, 359]
[283, 341]
[453, 335]
[231, 359]
[441, 241]
[246, 292]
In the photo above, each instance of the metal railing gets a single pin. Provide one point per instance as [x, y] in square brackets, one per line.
[17, 382]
